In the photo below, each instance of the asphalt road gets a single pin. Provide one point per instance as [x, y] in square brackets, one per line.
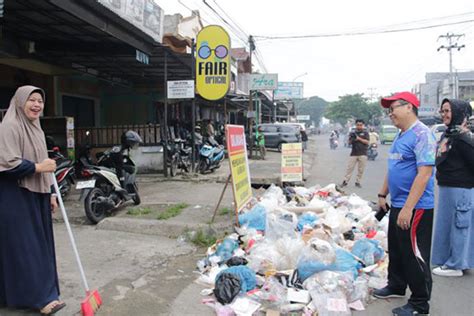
[450, 296]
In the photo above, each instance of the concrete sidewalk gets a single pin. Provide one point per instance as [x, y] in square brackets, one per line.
[200, 192]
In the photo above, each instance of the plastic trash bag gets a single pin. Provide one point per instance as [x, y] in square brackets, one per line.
[281, 254]
[309, 219]
[330, 304]
[227, 287]
[226, 249]
[318, 256]
[236, 261]
[345, 261]
[255, 218]
[280, 223]
[368, 250]
[246, 276]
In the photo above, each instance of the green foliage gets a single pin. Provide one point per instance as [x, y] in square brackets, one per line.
[172, 211]
[353, 106]
[224, 211]
[314, 106]
[139, 211]
[203, 239]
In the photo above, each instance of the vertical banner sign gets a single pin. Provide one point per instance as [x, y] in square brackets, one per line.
[292, 162]
[212, 62]
[239, 166]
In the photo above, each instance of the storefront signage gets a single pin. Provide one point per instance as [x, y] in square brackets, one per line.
[181, 89]
[289, 90]
[263, 81]
[292, 162]
[144, 14]
[142, 57]
[212, 62]
[303, 117]
[239, 166]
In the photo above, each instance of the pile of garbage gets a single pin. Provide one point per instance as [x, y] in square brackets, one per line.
[309, 251]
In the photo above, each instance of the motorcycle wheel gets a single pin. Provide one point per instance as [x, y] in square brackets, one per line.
[136, 199]
[202, 166]
[94, 212]
[174, 166]
[66, 188]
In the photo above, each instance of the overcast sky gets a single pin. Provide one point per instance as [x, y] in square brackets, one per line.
[335, 66]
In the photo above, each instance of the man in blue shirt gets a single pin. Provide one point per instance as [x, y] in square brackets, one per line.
[410, 183]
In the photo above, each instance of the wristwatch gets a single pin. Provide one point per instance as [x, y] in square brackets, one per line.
[382, 195]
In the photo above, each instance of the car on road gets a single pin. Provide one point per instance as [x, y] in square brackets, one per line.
[278, 134]
[387, 133]
[438, 130]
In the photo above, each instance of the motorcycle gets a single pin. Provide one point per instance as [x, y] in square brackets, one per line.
[179, 156]
[84, 160]
[372, 153]
[210, 156]
[333, 143]
[113, 181]
[64, 167]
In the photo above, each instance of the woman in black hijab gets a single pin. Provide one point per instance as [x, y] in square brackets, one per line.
[453, 243]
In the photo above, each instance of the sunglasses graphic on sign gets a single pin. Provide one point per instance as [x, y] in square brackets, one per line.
[205, 51]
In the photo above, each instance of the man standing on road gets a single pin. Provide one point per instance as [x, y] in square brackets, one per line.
[410, 183]
[359, 139]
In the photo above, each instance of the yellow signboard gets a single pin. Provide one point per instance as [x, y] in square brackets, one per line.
[239, 166]
[212, 62]
[292, 162]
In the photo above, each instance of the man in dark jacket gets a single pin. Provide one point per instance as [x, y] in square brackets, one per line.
[359, 139]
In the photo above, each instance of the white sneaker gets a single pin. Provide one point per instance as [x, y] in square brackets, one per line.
[445, 271]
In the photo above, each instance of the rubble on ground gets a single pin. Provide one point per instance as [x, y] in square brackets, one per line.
[309, 251]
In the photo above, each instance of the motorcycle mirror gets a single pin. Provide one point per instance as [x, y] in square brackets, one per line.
[56, 149]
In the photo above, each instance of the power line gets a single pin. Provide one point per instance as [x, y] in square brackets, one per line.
[361, 33]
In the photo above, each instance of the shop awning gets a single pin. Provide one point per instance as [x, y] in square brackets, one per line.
[87, 37]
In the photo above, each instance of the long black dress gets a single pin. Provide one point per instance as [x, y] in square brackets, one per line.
[28, 275]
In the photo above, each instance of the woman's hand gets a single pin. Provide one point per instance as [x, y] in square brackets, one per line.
[54, 203]
[47, 165]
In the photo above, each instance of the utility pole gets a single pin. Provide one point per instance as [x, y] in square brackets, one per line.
[372, 94]
[250, 111]
[452, 44]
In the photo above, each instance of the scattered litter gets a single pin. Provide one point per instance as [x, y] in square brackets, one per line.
[304, 251]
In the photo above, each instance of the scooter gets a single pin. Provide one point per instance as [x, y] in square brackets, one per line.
[64, 171]
[179, 156]
[64, 167]
[333, 143]
[112, 182]
[372, 153]
[210, 156]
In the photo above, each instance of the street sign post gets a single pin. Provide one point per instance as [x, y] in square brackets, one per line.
[181, 89]
[292, 162]
[239, 166]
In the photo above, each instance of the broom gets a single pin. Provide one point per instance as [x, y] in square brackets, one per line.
[93, 300]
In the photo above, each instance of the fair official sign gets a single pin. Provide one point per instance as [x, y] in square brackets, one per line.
[181, 89]
[239, 166]
[213, 63]
[263, 82]
[292, 162]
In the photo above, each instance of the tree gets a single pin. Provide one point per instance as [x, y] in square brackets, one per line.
[353, 106]
[313, 106]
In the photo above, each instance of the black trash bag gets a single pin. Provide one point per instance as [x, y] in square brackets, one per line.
[227, 287]
[236, 261]
[349, 235]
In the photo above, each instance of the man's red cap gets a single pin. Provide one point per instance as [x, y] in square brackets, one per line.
[406, 96]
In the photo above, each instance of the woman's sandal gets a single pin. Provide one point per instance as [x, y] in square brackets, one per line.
[52, 308]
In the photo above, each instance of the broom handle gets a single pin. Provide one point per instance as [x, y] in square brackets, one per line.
[69, 230]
